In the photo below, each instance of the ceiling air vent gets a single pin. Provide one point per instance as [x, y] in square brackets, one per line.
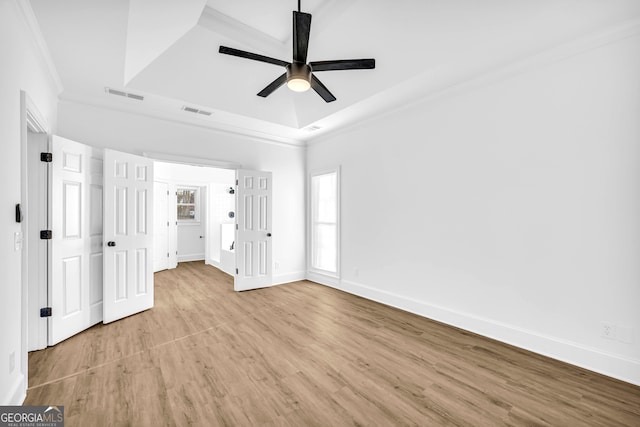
[196, 111]
[122, 93]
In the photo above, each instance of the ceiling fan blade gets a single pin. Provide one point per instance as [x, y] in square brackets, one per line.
[321, 89]
[301, 29]
[248, 55]
[344, 64]
[273, 86]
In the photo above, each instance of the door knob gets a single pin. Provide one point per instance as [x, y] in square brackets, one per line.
[268, 234]
[111, 243]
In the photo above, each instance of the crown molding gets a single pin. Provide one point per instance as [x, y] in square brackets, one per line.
[157, 114]
[233, 29]
[30, 20]
[193, 161]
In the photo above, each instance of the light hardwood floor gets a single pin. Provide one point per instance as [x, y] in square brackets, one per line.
[303, 354]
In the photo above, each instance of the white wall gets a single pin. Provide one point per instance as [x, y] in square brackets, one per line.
[510, 209]
[137, 134]
[22, 68]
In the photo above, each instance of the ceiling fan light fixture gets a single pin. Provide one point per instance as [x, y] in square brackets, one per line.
[298, 85]
[298, 77]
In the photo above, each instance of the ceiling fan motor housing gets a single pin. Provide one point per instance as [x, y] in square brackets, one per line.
[298, 70]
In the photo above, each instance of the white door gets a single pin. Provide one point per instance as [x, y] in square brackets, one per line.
[37, 219]
[128, 235]
[75, 292]
[161, 226]
[253, 230]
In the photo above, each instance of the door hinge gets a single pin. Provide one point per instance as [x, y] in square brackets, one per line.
[167, 223]
[167, 192]
[167, 254]
[236, 271]
[236, 182]
[236, 226]
[45, 312]
[45, 234]
[46, 157]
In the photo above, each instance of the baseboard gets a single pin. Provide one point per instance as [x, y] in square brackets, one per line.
[295, 276]
[612, 365]
[323, 279]
[190, 257]
[16, 393]
[213, 263]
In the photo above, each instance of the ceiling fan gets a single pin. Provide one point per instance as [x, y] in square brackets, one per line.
[299, 75]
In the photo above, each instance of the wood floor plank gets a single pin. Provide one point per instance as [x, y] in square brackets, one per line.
[306, 355]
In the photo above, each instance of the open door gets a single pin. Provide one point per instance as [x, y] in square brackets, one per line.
[128, 235]
[253, 230]
[75, 292]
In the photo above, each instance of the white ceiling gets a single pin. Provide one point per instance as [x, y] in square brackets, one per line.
[167, 50]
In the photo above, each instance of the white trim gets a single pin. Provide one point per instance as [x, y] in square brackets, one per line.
[324, 279]
[192, 161]
[609, 364]
[35, 122]
[165, 116]
[190, 257]
[30, 116]
[39, 42]
[240, 32]
[284, 278]
[213, 263]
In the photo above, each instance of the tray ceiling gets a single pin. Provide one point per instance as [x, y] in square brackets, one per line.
[167, 51]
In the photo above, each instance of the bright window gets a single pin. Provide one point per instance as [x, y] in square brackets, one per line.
[324, 221]
[187, 204]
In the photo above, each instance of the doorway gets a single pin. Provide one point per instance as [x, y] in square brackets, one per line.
[195, 206]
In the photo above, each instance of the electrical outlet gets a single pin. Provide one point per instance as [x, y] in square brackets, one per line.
[276, 265]
[356, 272]
[12, 361]
[609, 330]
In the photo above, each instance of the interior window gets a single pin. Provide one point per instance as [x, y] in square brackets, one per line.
[187, 204]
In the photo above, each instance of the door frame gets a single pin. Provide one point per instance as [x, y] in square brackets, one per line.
[30, 120]
[167, 242]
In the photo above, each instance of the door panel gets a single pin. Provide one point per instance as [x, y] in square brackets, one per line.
[75, 289]
[253, 230]
[128, 227]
